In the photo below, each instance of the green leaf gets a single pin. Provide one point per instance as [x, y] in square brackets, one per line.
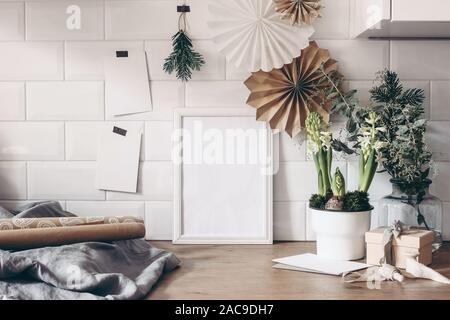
[340, 146]
[420, 123]
[351, 125]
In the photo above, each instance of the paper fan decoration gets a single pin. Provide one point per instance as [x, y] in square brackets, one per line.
[284, 97]
[252, 36]
[299, 11]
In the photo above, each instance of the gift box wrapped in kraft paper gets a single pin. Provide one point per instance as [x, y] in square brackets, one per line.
[28, 233]
[413, 242]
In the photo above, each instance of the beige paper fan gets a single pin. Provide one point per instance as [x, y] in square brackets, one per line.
[252, 36]
[299, 11]
[284, 97]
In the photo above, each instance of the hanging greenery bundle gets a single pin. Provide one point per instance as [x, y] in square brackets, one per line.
[184, 59]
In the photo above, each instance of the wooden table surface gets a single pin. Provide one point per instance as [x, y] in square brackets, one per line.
[245, 272]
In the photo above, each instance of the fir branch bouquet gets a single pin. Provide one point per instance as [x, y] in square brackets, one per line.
[405, 156]
[184, 59]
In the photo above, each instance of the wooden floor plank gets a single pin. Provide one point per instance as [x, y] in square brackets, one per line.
[245, 272]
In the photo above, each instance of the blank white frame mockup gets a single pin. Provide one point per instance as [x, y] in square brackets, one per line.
[204, 213]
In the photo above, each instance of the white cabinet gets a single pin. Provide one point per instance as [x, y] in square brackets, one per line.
[420, 10]
[400, 18]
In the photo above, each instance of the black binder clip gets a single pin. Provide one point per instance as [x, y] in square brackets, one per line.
[183, 8]
[120, 131]
[122, 54]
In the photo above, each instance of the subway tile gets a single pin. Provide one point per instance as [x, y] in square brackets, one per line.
[65, 20]
[85, 59]
[12, 101]
[441, 181]
[310, 234]
[158, 139]
[155, 183]
[158, 51]
[440, 97]
[159, 220]
[289, 221]
[292, 149]
[363, 88]
[141, 19]
[335, 21]
[216, 94]
[31, 60]
[31, 141]
[358, 59]
[446, 222]
[374, 217]
[233, 73]
[297, 181]
[197, 20]
[214, 67]
[166, 96]
[429, 58]
[13, 180]
[69, 100]
[63, 181]
[12, 25]
[421, 60]
[82, 139]
[438, 137]
[379, 188]
[106, 208]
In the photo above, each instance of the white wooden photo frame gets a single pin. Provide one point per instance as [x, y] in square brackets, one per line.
[221, 196]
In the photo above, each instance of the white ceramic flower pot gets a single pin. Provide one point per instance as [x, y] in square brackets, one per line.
[340, 235]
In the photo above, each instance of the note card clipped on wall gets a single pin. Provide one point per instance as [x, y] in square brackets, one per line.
[118, 157]
[127, 88]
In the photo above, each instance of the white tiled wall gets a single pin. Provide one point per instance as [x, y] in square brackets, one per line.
[52, 103]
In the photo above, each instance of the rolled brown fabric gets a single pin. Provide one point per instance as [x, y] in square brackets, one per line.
[32, 223]
[22, 239]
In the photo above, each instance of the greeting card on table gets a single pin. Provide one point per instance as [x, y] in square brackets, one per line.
[312, 263]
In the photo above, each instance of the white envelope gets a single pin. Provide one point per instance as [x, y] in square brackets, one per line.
[127, 87]
[118, 157]
[312, 263]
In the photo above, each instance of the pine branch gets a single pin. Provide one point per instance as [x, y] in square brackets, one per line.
[184, 59]
[390, 88]
[391, 91]
[413, 97]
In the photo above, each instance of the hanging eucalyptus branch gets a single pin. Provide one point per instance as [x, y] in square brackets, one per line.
[183, 59]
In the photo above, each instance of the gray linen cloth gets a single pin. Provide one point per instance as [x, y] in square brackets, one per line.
[120, 270]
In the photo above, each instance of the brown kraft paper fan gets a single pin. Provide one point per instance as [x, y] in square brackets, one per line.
[299, 11]
[284, 97]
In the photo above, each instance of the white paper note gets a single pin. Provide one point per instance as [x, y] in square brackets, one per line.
[118, 157]
[312, 263]
[127, 87]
